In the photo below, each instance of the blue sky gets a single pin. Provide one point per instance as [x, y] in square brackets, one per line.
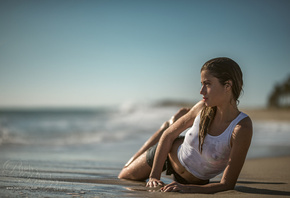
[82, 53]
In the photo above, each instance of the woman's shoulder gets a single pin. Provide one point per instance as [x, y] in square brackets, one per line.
[246, 122]
[196, 109]
[244, 128]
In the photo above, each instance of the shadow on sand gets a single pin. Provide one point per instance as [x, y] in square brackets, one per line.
[264, 191]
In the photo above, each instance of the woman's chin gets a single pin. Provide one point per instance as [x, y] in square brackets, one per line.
[209, 104]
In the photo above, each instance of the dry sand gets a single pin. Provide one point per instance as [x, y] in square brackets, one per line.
[262, 177]
[268, 114]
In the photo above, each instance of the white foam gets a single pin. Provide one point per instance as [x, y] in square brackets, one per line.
[127, 122]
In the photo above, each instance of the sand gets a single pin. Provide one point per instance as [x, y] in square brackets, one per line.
[263, 177]
[267, 177]
[268, 114]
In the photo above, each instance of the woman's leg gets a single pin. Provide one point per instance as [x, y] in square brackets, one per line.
[137, 168]
[150, 142]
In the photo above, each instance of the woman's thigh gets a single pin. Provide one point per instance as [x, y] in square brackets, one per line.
[137, 170]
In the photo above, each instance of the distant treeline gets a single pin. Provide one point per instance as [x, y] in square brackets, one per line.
[280, 96]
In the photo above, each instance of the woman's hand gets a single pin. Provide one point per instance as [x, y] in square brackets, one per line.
[173, 187]
[154, 183]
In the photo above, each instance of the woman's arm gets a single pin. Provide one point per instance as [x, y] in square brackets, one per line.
[241, 140]
[165, 143]
[156, 136]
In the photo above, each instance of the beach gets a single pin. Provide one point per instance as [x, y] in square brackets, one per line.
[266, 177]
[73, 153]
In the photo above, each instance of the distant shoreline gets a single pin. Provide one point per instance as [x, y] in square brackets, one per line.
[274, 114]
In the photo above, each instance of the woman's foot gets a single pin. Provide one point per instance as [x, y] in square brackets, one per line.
[165, 125]
[178, 115]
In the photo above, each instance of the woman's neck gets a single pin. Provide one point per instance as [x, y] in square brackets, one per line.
[226, 113]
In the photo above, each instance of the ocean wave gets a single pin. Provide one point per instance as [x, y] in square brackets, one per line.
[82, 126]
[129, 121]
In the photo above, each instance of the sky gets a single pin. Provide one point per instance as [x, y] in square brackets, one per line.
[80, 53]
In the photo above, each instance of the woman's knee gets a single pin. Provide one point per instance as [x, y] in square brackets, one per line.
[124, 174]
[139, 174]
[138, 170]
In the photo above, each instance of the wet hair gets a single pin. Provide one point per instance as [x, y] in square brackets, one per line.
[225, 70]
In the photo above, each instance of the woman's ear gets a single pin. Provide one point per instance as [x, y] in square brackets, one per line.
[228, 85]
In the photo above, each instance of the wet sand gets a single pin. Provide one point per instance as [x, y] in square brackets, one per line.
[265, 177]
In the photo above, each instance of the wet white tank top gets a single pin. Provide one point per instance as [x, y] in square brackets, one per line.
[215, 150]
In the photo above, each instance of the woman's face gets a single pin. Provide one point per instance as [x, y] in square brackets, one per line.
[214, 93]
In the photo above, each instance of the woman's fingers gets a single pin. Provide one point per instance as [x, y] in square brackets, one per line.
[178, 115]
[152, 183]
[172, 187]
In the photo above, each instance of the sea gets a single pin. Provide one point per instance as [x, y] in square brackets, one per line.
[80, 151]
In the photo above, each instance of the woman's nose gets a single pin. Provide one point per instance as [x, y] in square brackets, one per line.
[202, 90]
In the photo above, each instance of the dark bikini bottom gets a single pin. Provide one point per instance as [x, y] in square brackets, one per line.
[167, 165]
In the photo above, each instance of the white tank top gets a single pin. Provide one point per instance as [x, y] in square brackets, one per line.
[215, 150]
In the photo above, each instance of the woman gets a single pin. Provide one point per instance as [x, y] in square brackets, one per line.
[218, 140]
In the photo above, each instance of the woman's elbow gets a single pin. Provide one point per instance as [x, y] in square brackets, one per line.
[229, 186]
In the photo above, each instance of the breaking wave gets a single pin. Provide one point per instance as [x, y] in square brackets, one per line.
[129, 121]
[81, 126]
